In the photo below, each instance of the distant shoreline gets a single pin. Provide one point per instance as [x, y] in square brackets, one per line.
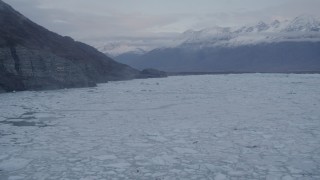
[189, 74]
[240, 72]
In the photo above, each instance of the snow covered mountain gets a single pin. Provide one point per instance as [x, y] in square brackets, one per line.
[302, 28]
[279, 46]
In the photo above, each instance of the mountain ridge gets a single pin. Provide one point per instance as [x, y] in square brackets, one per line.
[301, 28]
[281, 57]
[290, 46]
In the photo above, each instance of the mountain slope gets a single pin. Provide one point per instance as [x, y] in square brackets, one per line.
[264, 57]
[32, 57]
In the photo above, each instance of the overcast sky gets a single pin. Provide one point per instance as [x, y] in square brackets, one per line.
[90, 19]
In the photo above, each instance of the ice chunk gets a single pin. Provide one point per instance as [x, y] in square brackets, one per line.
[16, 178]
[105, 157]
[14, 164]
[184, 150]
[220, 177]
[163, 160]
[119, 165]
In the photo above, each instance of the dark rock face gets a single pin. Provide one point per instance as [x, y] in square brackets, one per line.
[32, 57]
[33, 69]
[153, 73]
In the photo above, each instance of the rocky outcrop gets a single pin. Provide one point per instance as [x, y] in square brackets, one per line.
[153, 73]
[34, 58]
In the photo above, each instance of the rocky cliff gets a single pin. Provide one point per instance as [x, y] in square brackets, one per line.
[34, 58]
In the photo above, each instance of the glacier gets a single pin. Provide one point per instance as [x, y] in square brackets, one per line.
[245, 126]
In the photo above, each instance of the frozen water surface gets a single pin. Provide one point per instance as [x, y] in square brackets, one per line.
[250, 126]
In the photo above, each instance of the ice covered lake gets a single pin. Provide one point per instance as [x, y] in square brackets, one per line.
[250, 126]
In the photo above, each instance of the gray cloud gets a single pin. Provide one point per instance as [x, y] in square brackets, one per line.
[100, 19]
[83, 25]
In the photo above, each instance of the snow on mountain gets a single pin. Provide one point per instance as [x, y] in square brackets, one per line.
[212, 34]
[301, 28]
[137, 46]
[115, 49]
